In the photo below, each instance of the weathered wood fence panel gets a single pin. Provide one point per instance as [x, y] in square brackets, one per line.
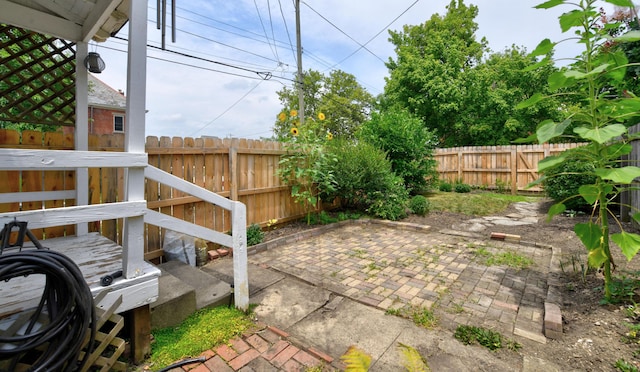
[243, 170]
[496, 167]
[239, 169]
[631, 200]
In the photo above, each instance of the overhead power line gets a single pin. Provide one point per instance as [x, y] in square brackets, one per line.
[286, 27]
[344, 33]
[228, 109]
[375, 36]
[264, 29]
[262, 75]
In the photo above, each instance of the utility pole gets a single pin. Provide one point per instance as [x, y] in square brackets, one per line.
[300, 79]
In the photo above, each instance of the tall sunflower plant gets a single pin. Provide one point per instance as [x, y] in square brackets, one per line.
[307, 166]
[594, 79]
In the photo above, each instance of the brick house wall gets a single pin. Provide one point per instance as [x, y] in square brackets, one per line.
[107, 108]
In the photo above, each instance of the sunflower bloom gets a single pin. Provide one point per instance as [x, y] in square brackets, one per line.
[282, 116]
[329, 136]
[294, 131]
[293, 113]
[321, 116]
[295, 123]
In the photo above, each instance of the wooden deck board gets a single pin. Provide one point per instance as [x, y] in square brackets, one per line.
[96, 256]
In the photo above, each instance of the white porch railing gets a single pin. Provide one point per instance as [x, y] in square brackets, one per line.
[237, 240]
[17, 159]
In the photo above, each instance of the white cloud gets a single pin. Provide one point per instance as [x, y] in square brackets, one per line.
[195, 101]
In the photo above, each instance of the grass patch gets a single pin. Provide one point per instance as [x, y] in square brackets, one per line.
[509, 258]
[202, 330]
[419, 315]
[474, 204]
[492, 340]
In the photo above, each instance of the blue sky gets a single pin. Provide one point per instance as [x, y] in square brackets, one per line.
[192, 98]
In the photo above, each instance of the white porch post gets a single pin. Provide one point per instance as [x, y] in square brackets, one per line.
[133, 232]
[239, 235]
[81, 134]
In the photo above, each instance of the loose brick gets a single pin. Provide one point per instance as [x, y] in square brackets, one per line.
[223, 252]
[239, 345]
[213, 255]
[306, 359]
[275, 349]
[226, 352]
[244, 359]
[552, 321]
[284, 356]
[319, 354]
[258, 343]
[217, 364]
[277, 331]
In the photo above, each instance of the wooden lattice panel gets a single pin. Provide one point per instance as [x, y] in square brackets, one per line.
[37, 83]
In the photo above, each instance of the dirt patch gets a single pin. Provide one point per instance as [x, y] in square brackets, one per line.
[595, 335]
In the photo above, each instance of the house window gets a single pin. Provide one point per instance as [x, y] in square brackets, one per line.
[118, 123]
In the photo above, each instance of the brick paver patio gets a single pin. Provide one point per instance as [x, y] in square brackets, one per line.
[394, 266]
[391, 267]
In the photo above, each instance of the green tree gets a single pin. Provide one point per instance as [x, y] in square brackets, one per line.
[344, 103]
[459, 89]
[427, 77]
[408, 144]
[493, 88]
[598, 122]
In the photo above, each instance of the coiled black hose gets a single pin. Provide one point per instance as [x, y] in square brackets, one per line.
[67, 306]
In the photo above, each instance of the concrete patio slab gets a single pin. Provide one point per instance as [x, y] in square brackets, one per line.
[287, 302]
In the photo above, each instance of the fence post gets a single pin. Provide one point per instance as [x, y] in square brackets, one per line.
[514, 171]
[233, 169]
[240, 269]
[460, 159]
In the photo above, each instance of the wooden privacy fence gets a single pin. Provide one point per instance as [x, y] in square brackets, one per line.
[239, 169]
[496, 167]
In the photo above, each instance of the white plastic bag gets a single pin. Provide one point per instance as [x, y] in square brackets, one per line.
[179, 247]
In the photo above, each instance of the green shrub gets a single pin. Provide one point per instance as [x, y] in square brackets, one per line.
[360, 170]
[254, 234]
[445, 187]
[462, 188]
[419, 205]
[408, 145]
[390, 202]
[563, 181]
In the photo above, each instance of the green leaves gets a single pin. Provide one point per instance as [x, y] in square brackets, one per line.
[624, 3]
[549, 162]
[624, 175]
[530, 101]
[633, 35]
[591, 236]
[549, 4]
[545, 47]
[555, 210]
[570, 19]
[601, 135]
[548, 130]
[591, 193]
[629, 243]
